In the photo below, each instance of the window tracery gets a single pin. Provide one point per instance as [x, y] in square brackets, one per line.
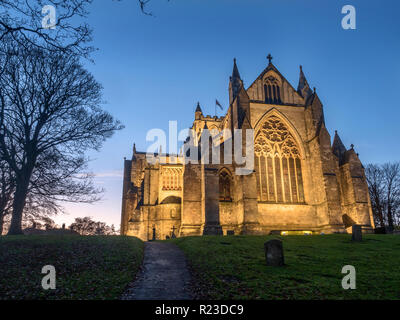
[278, 164]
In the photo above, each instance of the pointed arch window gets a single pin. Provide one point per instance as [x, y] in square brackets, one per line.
[278, 164]
[225, 186]
[272, 91]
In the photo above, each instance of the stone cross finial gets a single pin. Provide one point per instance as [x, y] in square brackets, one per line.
[269, 57]
[173, 236]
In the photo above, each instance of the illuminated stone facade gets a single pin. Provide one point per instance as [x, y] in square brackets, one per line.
[301, 182]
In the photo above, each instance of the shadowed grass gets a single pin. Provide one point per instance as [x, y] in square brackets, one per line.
[234, 267]
[95, 267]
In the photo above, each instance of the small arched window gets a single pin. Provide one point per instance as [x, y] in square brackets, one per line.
[225, 187]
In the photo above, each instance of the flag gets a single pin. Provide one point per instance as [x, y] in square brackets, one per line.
[218, 104]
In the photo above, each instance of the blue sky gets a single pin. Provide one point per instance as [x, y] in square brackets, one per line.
[155, 69]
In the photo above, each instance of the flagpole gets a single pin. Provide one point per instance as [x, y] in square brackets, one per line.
[219, 105]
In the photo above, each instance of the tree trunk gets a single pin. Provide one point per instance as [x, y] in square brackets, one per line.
[381, 221]
[19, 201]
[390, 217]
[1, 222]
[379, 209]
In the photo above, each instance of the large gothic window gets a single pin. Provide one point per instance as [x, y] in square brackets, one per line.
[225, 186]
[278, 164]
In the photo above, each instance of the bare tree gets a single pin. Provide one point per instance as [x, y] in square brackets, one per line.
[391, 174]
[53, 182]
[7, 187]
[22, 21]
[49, 112]
[376, 189]
[384, 188]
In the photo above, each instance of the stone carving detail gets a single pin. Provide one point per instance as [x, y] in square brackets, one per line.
[271, 80]
[278, 163]
[171, 179]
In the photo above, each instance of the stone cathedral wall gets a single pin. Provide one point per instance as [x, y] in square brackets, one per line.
[313, 188]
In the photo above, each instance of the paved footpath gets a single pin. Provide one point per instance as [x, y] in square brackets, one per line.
[164, 275]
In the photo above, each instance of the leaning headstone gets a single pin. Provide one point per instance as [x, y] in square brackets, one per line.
[274, 253]
[230, 232]
[356, 233]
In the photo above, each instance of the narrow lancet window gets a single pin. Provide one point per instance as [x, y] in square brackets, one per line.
[225, 186]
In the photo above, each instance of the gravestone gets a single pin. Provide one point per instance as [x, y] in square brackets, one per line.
[356, 233]
[274, 253]
[230, 232]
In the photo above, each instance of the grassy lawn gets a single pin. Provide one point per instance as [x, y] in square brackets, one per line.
[98, 267]
[234, 267]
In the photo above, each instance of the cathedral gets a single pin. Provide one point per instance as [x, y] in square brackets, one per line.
[302, 183]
